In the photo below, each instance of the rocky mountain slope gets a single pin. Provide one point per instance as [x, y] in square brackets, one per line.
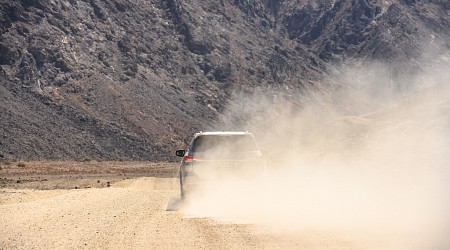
[133, 79]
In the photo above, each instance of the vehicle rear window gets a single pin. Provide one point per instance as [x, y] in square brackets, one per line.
[229, 143]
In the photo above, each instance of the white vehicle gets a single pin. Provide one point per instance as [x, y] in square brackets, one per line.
[213, 155]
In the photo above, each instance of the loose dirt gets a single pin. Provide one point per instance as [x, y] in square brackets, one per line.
[132, 213]
[46, 175]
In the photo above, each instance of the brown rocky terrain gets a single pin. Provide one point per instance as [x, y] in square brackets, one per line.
[133, 79]
[44, 175]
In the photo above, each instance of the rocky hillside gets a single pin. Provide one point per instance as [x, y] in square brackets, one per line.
[133, 79]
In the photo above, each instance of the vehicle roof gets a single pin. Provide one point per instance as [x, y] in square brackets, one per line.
[223, 133]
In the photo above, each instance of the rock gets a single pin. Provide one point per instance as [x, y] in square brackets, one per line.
[59, 81]
[8, 55]
[124, 78]
[222, 73]
[142, 64]
[63, 65]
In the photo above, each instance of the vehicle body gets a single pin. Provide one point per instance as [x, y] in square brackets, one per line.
[212, 156]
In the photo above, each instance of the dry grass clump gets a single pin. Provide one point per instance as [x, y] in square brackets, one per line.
[86, 159]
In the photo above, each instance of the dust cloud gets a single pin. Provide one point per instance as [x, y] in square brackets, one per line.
[367, 158]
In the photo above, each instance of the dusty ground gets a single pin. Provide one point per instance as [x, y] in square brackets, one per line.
[131, 214]
[68, 205]
[45, 175]
[45, 211]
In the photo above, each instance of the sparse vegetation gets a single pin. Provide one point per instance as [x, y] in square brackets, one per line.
[21, 164]
[86, 159]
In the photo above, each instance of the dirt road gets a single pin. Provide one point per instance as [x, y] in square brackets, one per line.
[130, 215]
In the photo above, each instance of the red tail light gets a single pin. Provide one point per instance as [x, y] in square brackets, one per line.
[188, 158]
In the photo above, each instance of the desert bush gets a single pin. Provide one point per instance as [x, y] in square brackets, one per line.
[21, 164]
[86, 159]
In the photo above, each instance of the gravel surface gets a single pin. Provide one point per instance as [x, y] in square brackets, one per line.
[130, 215]
[47, 175]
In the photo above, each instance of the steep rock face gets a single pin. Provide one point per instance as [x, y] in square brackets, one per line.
[368, 29]
[133, 79]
